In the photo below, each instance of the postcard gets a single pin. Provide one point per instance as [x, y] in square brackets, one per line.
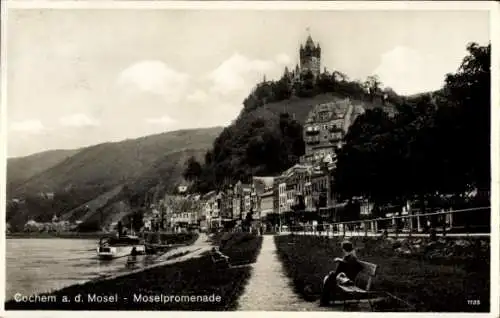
[251, 156]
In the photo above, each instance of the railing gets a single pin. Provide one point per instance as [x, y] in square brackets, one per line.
[412, 225]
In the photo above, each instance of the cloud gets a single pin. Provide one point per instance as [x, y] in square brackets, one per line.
[407, 71]
[283, 59]
[154, 77]
[164, 121]
[33, 126]
[78, 120]
[198, 96]
[228, 84]
[238, 72]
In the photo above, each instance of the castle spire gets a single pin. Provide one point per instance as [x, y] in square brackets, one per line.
[309, 41]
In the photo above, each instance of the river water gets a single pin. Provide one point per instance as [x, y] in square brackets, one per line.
[39, 265]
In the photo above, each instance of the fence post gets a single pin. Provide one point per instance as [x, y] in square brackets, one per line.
[445, 221]
[343, 229]
[366, 228]
[411, 225]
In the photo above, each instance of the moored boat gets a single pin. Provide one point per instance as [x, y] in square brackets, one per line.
[115, 247]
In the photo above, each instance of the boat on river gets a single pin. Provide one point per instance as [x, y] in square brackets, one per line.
[115, 247]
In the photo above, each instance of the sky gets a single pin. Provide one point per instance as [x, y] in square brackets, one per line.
[82, 77]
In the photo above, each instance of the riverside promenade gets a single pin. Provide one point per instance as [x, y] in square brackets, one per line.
[195, 250]
[269, 288]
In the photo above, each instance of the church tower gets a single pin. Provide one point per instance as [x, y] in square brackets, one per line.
[310, 57]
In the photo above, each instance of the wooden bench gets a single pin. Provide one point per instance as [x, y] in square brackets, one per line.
[361, 290]
[217, 261]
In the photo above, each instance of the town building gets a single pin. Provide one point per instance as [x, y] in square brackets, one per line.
[266, 204]
[182, 189]
[210, 215]
[184, 218]
[298, 184]
[46, 195]
[263, 199]
[216, 216]
[47, 227]
[226, 205]
[282, 197]
[236, 213]
[244, 200]
[325, 128]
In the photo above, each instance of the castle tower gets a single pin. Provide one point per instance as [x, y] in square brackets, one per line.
[310, 57]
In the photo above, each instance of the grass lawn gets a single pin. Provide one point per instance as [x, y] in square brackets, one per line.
[195, 277]
[239, 246]
[440, 284]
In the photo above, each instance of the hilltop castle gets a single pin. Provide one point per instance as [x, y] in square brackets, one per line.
[309, 63]
[310, 57]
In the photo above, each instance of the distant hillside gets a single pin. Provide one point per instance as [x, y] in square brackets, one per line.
[110, 164]
[112, 206]
[21, 169]
[103, 180]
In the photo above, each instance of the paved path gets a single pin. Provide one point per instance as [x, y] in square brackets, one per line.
[269, 288]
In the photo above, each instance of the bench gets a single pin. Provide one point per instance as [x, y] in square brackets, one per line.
[361, 290]
[221, 260]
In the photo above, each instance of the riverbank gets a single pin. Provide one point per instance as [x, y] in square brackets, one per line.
[193, 284]
[445, 276]
[160, 238]
[65, 235]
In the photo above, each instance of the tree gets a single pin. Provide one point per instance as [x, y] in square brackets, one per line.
[137, 221]
[468, 93]
[283, 89]
[307, 87]
[370, 158]
[247, 223]
[193, 169]
[339, 76]
[209, 157]
[326, 83]
[257, 143]
[437, 143]
[120, 228]
[372, 83]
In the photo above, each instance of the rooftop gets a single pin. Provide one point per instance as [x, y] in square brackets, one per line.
[329, 111]
[263, 183]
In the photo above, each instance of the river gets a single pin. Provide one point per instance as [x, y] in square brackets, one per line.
[35, 266]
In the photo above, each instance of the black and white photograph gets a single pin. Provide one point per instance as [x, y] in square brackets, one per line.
[203, 158]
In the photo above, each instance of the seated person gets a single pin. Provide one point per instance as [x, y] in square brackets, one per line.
[134, 252]
[348, 268]
[218, 256]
